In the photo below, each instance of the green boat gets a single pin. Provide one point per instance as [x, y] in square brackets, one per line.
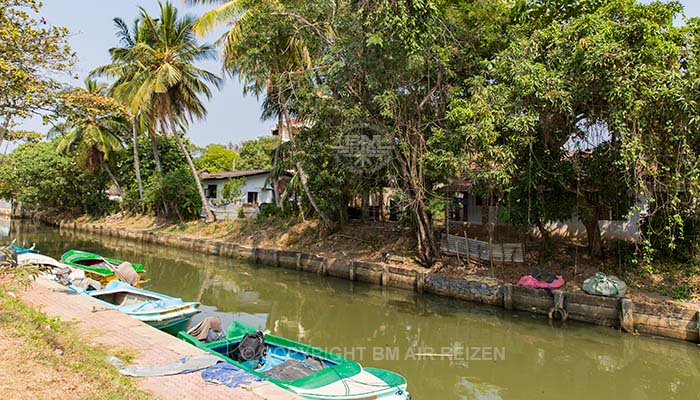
[100, 268]
[310, 372]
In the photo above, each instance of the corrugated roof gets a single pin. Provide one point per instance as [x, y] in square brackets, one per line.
[235, 174]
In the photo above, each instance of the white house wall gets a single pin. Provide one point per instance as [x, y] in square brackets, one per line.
[254, 183]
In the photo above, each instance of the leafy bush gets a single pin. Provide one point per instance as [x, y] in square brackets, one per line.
[41, 179]
[174, 196]
[268, 210]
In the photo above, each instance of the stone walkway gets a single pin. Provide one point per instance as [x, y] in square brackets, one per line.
[150, 346]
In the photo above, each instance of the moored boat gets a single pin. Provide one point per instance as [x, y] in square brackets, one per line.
[22, 250]
[102, 269]
[310, 372]
[169, 314]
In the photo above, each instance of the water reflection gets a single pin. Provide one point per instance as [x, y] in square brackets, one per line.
[386, 328]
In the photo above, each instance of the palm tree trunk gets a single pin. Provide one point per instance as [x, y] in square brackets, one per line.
[137, 164]
[302, 175]
[156, 156]
[208, 213]
[105, 167]
[276, 179]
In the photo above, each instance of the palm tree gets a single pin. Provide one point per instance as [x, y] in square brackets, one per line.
[93, 128]
[167, 87]
[264, 66]
[123, 68]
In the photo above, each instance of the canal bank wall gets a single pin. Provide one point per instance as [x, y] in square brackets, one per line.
[669, 320]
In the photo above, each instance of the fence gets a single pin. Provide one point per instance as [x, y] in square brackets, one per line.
[471, 248]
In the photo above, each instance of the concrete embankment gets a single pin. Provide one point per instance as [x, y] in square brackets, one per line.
[115, 330]
[664, 319]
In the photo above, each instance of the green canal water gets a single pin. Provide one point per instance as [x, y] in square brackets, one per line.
[495, 354]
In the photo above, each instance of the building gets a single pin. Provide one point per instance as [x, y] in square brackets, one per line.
[255, 190]
[283, 131]
[468, 210]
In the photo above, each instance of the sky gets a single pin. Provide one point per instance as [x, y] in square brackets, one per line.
[232, 117]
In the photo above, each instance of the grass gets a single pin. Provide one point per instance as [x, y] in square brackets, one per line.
[60, 361]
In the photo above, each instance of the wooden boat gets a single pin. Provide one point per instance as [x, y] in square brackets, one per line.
[100, 268]
[310, 372]
[169, 314]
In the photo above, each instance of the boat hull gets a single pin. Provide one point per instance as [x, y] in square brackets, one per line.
[160, 311]
[90, 263]
[338, 378]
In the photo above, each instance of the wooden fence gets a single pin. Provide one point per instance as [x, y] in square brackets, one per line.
[476, 249]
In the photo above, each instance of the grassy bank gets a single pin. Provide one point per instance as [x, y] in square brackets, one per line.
[44, 358]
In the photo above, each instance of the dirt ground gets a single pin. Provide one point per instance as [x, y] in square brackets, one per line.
[26, 378]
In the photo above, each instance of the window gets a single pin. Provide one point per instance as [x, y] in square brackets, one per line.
[252, 197]
[211, 191]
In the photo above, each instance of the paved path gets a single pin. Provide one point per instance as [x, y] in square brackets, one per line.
[113, 329]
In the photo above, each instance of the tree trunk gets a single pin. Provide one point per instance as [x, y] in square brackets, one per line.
[546, 235]
[276, 179]
[105, 167]
[424, 235]
[302, 175]
[137, 163]
[365, 205]
[590, 221]
[412, 173]
[305, 184]
[209, 215]
[5, 127]
[156, 156]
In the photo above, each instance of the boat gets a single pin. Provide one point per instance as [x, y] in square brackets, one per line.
[102, 269]
[22, 250]
[169, 314]
[307, 371]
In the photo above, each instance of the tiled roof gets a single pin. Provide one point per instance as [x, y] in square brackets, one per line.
[235, 174]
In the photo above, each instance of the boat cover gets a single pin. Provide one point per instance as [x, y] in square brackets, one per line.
[228, 375]
[182, 366]
[208, 330]
[604, 285]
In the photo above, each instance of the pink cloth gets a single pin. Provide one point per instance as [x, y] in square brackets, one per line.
[529, 281]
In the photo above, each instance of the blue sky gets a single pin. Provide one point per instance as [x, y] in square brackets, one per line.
[232, 116]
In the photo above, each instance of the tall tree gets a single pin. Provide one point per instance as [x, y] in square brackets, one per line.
[122, 69]
[30, 54]
[94, 126]
[263, 47]
[168, 87]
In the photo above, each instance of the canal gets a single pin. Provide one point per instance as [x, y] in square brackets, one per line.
[446, 349]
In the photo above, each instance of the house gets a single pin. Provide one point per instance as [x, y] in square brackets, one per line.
[283, 131]
[255, 190]
[468, 210]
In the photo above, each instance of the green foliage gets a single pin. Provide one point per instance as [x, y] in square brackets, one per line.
[256, 154]
[241, 213]
[31, 53]
[268, 211]
[217, 158]
[41, 179]
[175, 195]
[682, 292]
[231, 191]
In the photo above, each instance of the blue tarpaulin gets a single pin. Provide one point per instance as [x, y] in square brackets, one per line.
[228, 375]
